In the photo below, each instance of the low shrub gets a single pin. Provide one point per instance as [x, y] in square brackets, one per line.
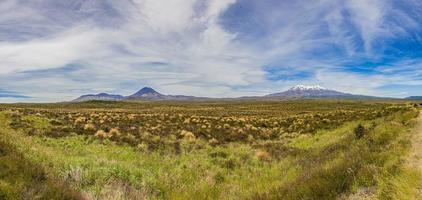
[359, 131]
[263, 156]
[101, 134]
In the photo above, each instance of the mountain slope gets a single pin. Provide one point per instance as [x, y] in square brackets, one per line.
[302, 91]
[99, 97]
[414, 98]
[146, 93]
[299, 91]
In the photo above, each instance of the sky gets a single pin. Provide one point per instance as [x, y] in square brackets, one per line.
[57, 50]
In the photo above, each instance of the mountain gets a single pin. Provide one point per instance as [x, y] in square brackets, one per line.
[147, 93]
[99, 97]
[414, 98]
[302, 91]
[299, 91]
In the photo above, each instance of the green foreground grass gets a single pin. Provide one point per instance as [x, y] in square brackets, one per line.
[327, 165]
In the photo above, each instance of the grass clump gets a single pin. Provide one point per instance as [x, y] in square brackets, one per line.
[22, 179]
[359, 131]
[263, 156]
[101, 134]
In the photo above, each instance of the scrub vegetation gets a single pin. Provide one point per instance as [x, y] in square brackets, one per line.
[313, 149]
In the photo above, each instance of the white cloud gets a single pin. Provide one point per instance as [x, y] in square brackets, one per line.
[166, 16]
[45, 53]
[368, 16]
[197, 55]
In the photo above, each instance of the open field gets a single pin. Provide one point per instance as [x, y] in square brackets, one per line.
[307, 149]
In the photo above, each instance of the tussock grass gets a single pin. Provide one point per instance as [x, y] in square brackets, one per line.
[22, 179]
[327, 164]
[342, 163]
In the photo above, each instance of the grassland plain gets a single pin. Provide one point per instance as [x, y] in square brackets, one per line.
[207, 150]
[414, 158]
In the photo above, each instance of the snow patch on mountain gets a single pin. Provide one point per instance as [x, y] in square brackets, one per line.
[301, 91]
[306, 87]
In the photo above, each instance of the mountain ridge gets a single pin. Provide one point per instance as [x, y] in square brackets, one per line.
[100, 97]
[301, 91]
[414, 98]
[146, 93]
[298, 91]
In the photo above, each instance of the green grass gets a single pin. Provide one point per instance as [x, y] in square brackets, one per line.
[338, 163]
[324, 165]
[23, 179]
[203, 173]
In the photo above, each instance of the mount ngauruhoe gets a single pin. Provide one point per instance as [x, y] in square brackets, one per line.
[149, 94]
[146, 93]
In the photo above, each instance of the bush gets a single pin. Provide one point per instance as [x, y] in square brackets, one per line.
[188, 136]
[213, 142]
[359, 131]
[263, 156]
[101, 134]
[89, 127]
[114, 132]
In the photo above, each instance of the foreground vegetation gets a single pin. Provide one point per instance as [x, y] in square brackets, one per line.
[208, 150]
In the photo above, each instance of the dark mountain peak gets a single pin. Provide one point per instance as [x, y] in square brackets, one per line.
[146, 90]
[147, 93]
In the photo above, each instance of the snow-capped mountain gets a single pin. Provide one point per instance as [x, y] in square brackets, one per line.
[310, 91]
[305, 87]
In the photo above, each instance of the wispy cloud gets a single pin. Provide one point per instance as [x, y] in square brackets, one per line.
[11, 94]
[207, 48]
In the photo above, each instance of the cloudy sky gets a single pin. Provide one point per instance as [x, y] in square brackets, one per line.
[55, 50]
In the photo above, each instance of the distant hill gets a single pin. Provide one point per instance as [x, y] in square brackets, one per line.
[414, 98]
[99, 97]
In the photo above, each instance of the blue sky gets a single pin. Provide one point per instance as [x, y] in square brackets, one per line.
[54, 50]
